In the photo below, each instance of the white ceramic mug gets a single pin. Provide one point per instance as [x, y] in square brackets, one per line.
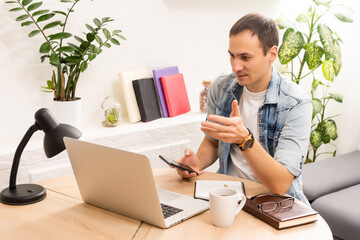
[224, 205]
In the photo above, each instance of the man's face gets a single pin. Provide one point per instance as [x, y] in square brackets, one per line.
[251, 67]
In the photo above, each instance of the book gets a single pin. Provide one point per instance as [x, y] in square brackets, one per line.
[176, 98]
[280, 218]
[203, 187]
[146, 99]
[126, 78]
[158, 73]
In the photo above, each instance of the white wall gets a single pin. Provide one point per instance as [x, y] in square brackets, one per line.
[190, 34]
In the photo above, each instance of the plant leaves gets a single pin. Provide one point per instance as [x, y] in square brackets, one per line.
[60, 35]
[60, 12]
[330, 130]
[291, 45]
[116, 31]
[45, 17]
[26, 2]
[317, 107]
[315, 139]
[11, 2]
[51, 25]
[97, 50]
[337, 57]
[336, 96]
[76, 48]
[315, 84]
[313, 55]
[79, 39]
[106, 32]
[22, 17]
[54, 59]
[327, 40]
[114, 41]
[107, 45]
[33, 33]
[34, 6]
[343, 13]
[305, 17]
[97, 22]
[90, 37]
[73, 59]
[84, 45]
[83, 66]
[27, 23]
[328, 70]
[91, 29]
[45, 47]
[15, 9]
[120, 36]
[91, 56]
[98, 40]
[65, 49]
[40, 12]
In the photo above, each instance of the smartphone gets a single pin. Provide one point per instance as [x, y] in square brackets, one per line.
[180, 166]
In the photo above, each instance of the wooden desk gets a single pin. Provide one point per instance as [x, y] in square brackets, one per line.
[245, 226]
[62, 217]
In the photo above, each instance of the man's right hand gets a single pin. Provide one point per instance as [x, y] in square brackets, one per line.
[191, 160]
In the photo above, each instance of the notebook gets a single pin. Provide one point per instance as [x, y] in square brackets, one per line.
[146, 99]
[126, 78]
[122, 182]
[158, 73]
[280, 218]
[175, 94]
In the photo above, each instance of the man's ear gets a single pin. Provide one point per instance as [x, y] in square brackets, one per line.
[273, 53]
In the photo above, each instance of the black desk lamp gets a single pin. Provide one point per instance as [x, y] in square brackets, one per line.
[23, 194]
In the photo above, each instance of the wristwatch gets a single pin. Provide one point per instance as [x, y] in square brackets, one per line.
[247, 143]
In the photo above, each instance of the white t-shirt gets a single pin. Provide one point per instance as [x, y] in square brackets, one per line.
[249, 109]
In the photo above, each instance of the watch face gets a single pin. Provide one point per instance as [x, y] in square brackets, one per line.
[248, 144]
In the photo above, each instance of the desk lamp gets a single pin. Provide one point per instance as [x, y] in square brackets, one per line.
[23, 194]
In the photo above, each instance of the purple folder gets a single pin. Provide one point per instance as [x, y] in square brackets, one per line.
[158, 73]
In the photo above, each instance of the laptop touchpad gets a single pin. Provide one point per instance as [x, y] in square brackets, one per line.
[166, 196]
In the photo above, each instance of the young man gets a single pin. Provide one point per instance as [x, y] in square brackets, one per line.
[258, 123]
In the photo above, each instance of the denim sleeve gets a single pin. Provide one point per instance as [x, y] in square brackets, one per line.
[294, 138]
[211, 102]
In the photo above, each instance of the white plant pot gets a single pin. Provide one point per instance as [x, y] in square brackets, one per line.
[69, 112]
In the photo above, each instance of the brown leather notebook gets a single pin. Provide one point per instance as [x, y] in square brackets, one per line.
[280, 218]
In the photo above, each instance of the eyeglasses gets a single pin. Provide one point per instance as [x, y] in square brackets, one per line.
[272, 205]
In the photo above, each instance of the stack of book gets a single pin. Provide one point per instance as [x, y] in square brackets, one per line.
[151, 96]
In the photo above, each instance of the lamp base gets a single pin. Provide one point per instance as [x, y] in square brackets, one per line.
[23, 194]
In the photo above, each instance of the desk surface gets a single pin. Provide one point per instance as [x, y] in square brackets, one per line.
[245, 226]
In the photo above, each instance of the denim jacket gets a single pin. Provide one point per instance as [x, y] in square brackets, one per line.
[284, 123]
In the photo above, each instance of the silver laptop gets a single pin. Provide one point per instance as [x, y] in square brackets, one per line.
[122, 182]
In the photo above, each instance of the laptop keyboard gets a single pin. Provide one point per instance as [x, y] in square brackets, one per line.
[168, 211]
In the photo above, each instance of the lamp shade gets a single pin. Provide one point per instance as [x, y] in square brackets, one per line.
[54, 132]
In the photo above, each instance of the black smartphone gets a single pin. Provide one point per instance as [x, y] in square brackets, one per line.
[180, 166]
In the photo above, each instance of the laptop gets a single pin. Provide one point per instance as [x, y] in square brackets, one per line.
[122, 182]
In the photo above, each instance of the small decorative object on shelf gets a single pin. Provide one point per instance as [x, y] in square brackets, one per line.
[204, 95]
[112, 112]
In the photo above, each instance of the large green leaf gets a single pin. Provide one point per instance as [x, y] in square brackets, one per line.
[336, 96]
[83, 66]
[26, 2]
[114, 41]
[90, 37]
[313, 55]
[54, 59]
[40, 12]
[305, 17]
[330, 129]
[65, 49]
[317, 107]
[98, 40]
[60, 35]
[328, 70]
[34, 6]
[343, 13]
[327, 40]
[291, 45]
[315, 139]
[16, 9]
[91, 29]
[337, 57]
[106, 33]
[33, 33]
[51, 25]
[97, 22]
[45, 17]
[27, 23]
[45, 47]
[22, 17]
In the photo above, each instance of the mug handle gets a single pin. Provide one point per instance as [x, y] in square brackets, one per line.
[242, 203]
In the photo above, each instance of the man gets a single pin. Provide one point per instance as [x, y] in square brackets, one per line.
[258, 123]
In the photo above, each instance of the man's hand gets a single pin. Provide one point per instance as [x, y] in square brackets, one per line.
[192, 161]
[229, 130]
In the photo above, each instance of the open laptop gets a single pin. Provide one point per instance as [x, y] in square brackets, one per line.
[122, 182]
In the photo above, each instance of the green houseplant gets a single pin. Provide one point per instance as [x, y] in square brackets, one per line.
[68, 58]
[318, 46]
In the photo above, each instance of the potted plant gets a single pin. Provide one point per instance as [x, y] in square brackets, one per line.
[318, 47]
[68, 54]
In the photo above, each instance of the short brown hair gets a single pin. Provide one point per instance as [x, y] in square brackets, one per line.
[265, 28]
